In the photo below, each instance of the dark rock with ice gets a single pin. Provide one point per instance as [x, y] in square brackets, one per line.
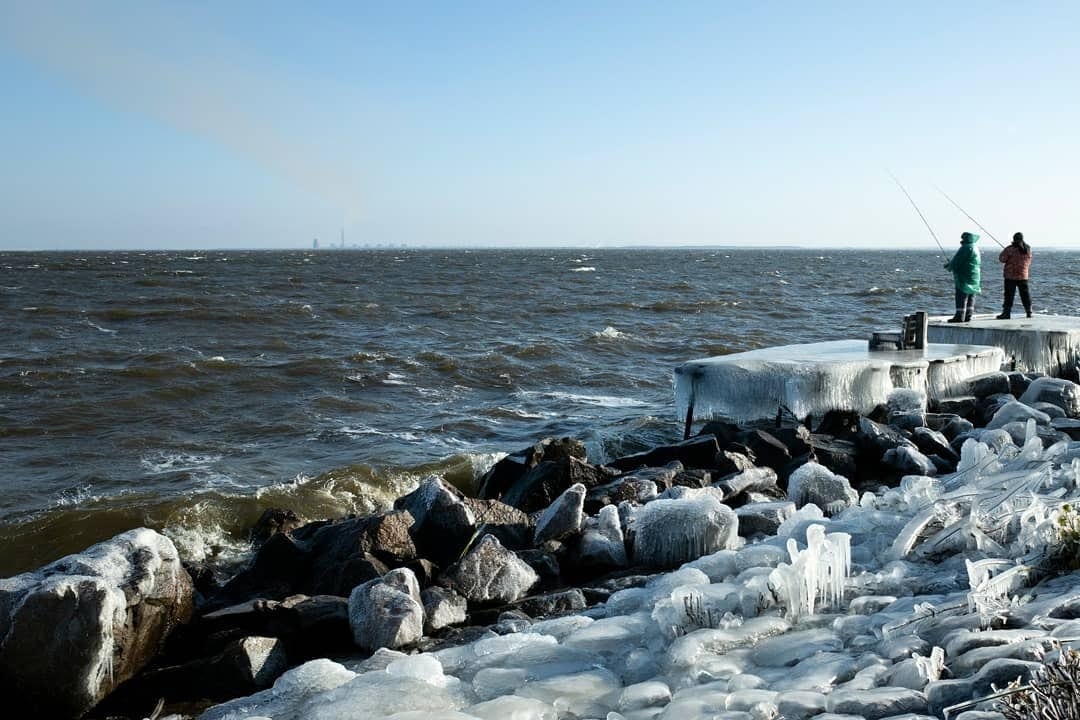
[73, 630]
[563, 517]
[387, 612]
[698, 452]
[602, 545]
[442, 608]
[987, 384]
[817, 484]
[963, 405]
[539, 487]
[763, 518]
[490, 573]
[909, 461]
[672, 531]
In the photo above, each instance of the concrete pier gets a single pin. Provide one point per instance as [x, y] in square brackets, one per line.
[816, 377]
[1048, 344]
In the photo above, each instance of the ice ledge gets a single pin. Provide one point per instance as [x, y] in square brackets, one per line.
[1048, 344]
[816, 377]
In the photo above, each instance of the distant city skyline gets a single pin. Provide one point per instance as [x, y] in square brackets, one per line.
[196, 125]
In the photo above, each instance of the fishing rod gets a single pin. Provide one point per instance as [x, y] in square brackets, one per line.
[932, 233]
[957, 205]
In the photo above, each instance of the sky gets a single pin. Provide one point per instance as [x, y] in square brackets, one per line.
[203, 124]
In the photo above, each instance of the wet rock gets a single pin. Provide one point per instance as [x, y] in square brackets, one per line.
[545, 482]
[442, 521]
[697, 452]
[909, 461]
[956, 427]
[387, 612]
[1013, 411]
[545, 564]
[725, 432]
[271, 522]
[729, 462]
[442, 608]
[988, 406]
[630, 488]
[563, 517]
[342, 552]
[691, 477]
[1057, 391]
[1051, 410]
[987, 384]
[761, 480]
[73, 630]
[963, 405]
[553, 604]
[843, 424]
[1069, 426]
[931, 442]
[763, 517]
[512, 468]
[766, 450]
[245, 666]
[875, 439]
[490, 573]
[277, 570]
[837, 455]
[1018, 382]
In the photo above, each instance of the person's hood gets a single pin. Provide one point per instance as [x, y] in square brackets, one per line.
[969, 238]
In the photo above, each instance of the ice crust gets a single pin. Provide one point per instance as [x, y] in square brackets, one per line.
[1048, 344]
[812, 378]
[884, 609]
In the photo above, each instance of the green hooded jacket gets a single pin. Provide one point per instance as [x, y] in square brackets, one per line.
[965, 265]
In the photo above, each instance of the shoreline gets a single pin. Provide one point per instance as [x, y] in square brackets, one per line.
[550, 535]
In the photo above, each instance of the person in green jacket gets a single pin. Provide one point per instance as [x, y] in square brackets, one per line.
[965, 269]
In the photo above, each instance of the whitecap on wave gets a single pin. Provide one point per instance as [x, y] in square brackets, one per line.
[587, 268]
[609, 332]
[598, 400]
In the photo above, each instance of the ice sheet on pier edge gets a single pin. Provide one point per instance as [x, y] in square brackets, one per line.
[1045, 343]
[815, 377]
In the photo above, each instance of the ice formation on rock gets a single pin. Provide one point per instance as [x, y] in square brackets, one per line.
[1048, 344]
[816, 377]
[885, 608]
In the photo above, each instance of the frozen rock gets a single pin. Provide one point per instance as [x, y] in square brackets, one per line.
[512, 707]
[670, 532]
[909, 461]
[876, 703]
[815, 484]
[800, 705]
[644, 695]
[563, 517]
[73, 630]
[602, 543]
[764, 518]
[794, 647]
[1058, 391]
[291, 692]
[442, 608]
[1014, 411]
[490, 572]
[582, 694]
[387, 612]
[990, 383]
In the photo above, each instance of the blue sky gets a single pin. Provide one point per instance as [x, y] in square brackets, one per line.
[260, 124]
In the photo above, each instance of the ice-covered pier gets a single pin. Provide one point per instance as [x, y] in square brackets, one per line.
[816, 377]
[1048, 344]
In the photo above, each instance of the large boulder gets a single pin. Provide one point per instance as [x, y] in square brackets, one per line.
[507, 471]
[73, 630]
[443, 522]
[387, 612]
[539, 487]
[490, 573]
[814, 483]
[698, 452]
[1057, 391]
[669, 532]
[563, 517]
[344, 553]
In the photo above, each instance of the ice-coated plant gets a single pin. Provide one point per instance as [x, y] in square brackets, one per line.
[1052, 694]
[1067, 552]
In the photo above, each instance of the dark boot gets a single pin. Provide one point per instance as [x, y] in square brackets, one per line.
[956, 318]
[1006, 316]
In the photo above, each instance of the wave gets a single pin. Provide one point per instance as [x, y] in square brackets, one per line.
[586, 268]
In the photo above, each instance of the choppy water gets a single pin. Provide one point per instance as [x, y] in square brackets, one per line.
[189, 391]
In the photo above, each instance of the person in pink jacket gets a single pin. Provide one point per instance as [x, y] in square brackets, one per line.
[1017, 259]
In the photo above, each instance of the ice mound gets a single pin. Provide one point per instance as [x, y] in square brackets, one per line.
[815, 484]
[668, 532]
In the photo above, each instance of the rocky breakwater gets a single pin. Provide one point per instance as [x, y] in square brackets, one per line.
[547, 534]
